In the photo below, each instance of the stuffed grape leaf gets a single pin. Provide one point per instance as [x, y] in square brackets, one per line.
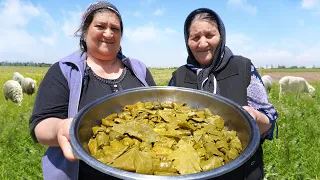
[185, 159]
[211, 163]
[167, 115]
[136, 161]
[137, 129]
[93, 146]
[163, 166]
[143, 163]
[216, 120]
[126, 161]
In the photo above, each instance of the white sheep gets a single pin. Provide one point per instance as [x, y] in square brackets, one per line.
[17, 77]
[12, 90]
[267, 82]
[28, 85]
[295, 84]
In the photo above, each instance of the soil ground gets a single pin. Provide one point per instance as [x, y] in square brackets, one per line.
[309, 76]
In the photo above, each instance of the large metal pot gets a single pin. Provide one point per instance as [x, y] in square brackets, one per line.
[236, 118]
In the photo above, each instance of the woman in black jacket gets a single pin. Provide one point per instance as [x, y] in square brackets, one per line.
[212, 67]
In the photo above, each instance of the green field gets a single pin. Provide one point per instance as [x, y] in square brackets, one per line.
[294, 155]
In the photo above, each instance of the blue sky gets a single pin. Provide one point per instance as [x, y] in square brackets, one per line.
[269, 32]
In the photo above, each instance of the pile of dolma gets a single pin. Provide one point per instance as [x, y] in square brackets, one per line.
[164, 139]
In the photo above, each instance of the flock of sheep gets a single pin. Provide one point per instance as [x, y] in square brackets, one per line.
[14, 89]
[294, 84]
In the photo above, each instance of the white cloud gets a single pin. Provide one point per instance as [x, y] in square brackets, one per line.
[148, 33]
[310, 55]
[271, 56]
[29, 33]
[159, 12]
[12, 33]
[239, 42]
[244, 5]
[288, 52]
[300, 22]
[156, 46]
[235, 2]
[305, 57]
[309, 4]
[239, 39]
[20, 13]
[137, 14]
[170, 31]
[146, 2]
[71, 22]
[50, 40]
[159, 47]
[13, 43]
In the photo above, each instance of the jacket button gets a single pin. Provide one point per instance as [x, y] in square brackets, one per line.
[252, 163]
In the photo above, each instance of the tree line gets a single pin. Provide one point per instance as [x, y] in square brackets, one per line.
[5, 63]
[288, 67]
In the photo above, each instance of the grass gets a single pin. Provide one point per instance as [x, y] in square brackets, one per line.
[162, 75]
[294, 155]
[20, 157]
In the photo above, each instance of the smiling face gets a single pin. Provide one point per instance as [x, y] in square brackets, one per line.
[204, 38]
[103, 36]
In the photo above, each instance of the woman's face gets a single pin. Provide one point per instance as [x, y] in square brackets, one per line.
[203, 41]
[103, 36]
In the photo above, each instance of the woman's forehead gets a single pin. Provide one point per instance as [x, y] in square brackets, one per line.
[202, 25]
[106, 16]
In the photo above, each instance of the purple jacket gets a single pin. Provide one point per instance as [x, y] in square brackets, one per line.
[54, 165]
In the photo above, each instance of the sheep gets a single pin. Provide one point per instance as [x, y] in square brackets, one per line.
[17, 77]
[267, 82]
[12, 90]
[295, 84]
[28, 85]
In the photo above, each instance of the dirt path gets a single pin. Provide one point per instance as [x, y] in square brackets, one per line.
[309, 76]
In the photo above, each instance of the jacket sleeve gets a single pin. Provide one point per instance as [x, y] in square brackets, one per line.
[172, 81]
[52, 98]
[258, 99]
[149, 78]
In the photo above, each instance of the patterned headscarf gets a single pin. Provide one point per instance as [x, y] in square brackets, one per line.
[100, 5]
[91, 9]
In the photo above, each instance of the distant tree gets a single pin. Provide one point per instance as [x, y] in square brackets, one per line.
[302, 67]
[281, 67]
[293, 67]
[5, 63]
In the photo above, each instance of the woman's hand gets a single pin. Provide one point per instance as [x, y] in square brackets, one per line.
[261, 119]
[64, 140]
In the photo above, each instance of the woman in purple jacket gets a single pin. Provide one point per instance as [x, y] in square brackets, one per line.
[98, 69]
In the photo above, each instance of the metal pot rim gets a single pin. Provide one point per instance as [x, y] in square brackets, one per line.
[87, 158]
